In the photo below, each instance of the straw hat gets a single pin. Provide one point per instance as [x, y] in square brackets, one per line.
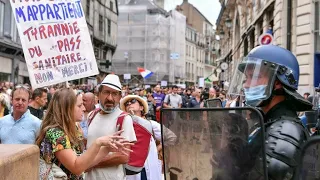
[129, 97]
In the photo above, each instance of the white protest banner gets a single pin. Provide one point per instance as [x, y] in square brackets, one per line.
[164, 83]
[201, 82]
[126, 76]
[55, 40]
[146, 86]
[181, 85]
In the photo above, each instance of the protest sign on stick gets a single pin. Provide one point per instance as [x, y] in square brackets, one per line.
[55, 40]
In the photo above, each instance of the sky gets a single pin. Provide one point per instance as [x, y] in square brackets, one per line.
[209, 8]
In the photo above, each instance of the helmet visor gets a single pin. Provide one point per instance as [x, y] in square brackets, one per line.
[254, 79]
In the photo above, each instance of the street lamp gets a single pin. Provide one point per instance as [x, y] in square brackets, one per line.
[228, 22]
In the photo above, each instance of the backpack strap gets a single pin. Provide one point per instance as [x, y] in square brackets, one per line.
[120, 120]
[92, 115]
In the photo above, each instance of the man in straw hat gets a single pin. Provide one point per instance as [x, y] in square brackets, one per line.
[105, 123]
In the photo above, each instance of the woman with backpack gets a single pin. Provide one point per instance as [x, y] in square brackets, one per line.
[152, 170]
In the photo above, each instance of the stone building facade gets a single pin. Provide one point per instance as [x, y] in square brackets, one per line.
[102, 20]
[204, 49]
[293, 23]
[195, 55]
[151, 38]
[13, 66]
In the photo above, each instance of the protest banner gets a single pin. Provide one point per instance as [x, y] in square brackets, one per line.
[55, 40]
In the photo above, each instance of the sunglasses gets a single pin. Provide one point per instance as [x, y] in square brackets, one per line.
[132, 101]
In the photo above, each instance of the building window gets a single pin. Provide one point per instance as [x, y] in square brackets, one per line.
[111, 5]
[100, 23]
[260, 27]
[109, 27]
[104, 55]
[1, 17]
[97, 52]
[14, 31]
[245, 47]
[7, 16]
[192, 51]
[162, 57]
[187, 50]
[270, 17]
[252, 40]
[316, 27]
[88, 8]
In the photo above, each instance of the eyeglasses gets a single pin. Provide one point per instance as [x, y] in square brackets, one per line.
[132, 101]
[113, 94]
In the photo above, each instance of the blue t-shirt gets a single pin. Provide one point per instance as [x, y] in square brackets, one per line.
[159, 98]
[22, 131]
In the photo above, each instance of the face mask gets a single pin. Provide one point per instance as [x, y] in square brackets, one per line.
[255, 94]
[108, 111]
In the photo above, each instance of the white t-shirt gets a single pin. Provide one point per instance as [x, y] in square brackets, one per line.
[173, 100]
[106, 124]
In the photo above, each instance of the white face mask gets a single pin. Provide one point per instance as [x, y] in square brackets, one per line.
[108, 111]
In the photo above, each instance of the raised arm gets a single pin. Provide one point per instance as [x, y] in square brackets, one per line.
[78, 164]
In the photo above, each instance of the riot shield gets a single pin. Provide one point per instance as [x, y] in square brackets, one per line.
[212, 103]
[311, 120]
[309, 168]
[214, 144]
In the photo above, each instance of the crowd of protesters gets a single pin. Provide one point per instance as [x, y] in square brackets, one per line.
[56, 119]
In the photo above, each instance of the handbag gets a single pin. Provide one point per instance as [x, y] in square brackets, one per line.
[50, 171]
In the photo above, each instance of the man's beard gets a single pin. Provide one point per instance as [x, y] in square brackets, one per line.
[107, 110]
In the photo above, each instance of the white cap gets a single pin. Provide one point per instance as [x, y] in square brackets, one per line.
[112, 81]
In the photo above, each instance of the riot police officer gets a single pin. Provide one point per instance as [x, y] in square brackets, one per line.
[269, 78]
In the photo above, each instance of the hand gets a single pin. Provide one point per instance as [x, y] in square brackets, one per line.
[124, 148]
[159, 147]
[116, 143]
[109, 141]
[158, 108]
[122, 144]
[228, 103]
[131, 112]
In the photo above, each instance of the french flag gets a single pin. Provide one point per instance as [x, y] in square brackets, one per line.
[144, 72]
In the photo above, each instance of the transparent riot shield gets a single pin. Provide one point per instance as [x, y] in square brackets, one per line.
[309, 168]
[213, 144]
[212, 103]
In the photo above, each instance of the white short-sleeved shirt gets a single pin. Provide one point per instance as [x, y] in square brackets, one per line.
[103, 125]
[173, 100]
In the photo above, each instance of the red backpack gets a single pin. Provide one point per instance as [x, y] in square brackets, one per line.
[143, 130]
